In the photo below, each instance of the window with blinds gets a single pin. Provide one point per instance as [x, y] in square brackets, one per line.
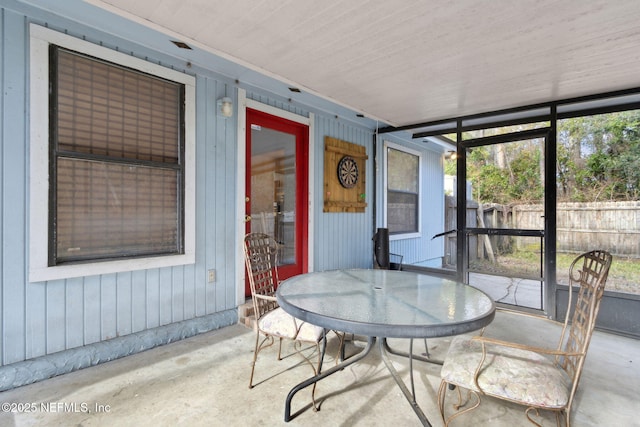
[117, 161]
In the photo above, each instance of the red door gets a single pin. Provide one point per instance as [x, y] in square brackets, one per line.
[277, 187]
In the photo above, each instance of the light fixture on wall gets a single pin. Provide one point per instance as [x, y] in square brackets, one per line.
[225, 107]
[452, 155]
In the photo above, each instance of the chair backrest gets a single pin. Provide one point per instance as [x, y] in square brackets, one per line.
[587, 276]
[261, 259]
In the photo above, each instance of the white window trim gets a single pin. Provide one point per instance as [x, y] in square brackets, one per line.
[40, 39]
[389, 144]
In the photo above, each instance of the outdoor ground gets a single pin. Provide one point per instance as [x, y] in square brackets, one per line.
[624, 275]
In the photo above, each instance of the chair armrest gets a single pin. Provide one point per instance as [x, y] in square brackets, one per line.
[555, 352]
[266, 297]
[486, 341]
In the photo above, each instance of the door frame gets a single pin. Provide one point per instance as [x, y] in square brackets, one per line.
[243, 104]
[548, 235]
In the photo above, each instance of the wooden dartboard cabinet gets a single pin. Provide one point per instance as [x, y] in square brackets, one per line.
[344, 176]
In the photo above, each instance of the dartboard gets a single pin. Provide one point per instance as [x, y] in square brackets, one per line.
[348, 172]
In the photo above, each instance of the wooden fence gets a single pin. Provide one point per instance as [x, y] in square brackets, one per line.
[450, 221]
[614, 226]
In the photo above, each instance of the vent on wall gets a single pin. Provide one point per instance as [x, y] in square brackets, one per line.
[181, 45]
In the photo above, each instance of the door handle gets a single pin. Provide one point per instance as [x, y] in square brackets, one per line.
[247, 218]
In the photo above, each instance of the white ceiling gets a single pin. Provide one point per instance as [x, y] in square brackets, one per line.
[409, 61]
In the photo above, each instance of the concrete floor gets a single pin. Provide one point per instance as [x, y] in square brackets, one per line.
[202, 381]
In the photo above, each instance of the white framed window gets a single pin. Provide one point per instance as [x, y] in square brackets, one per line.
[112, 161]
[402, 191]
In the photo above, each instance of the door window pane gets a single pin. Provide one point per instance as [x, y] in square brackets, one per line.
[273, 188]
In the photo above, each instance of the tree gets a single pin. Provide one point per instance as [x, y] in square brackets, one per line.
[598, 158]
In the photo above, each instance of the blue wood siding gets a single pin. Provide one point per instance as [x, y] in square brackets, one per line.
[42, 318]
[14, 184]
[342, 240]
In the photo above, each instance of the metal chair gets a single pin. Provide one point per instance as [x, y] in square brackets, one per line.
[261, 254]
[538, 378]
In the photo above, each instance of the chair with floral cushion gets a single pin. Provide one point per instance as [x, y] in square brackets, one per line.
[261, 256]
[538, 378]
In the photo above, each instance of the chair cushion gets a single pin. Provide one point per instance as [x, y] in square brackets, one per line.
[281, 324]
[518, 375]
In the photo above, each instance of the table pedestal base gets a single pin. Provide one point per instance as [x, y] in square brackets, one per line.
[384, 350]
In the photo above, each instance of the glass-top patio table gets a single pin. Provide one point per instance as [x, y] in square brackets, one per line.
[381, 304]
